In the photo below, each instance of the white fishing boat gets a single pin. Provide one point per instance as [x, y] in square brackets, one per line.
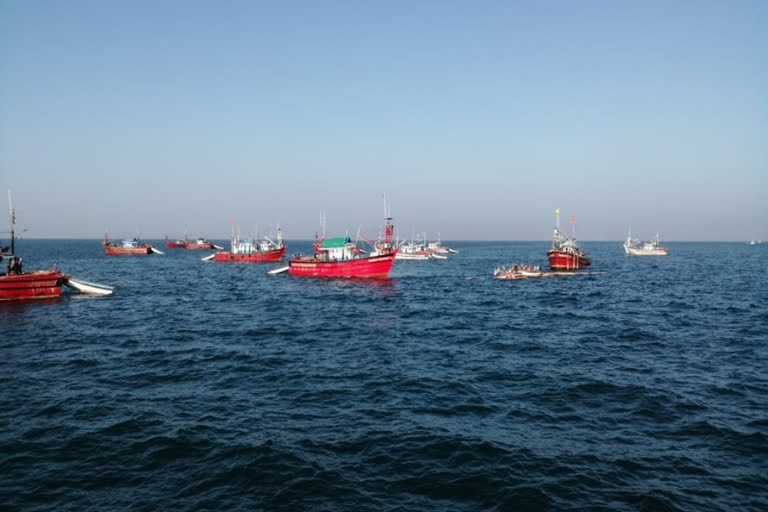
[438, 248]
[413, 250]
[649, 248]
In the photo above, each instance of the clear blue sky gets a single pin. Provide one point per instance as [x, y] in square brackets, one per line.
[478, 119]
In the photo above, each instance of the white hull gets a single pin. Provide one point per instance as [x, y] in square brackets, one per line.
[277, 271]
[633, 251]
[209, 258]
[638, 248]
[414, 257]
[436, 256]
[89, 288]
[156, 251]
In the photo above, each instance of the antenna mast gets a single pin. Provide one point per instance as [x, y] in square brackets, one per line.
[13, 221]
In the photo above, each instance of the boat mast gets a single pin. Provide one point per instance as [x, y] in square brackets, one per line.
[13, 221]
[388, 227]
[573, 228]
[232, 239]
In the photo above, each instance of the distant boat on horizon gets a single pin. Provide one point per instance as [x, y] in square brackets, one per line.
[649, 248]
[127, 247]
[245, 250]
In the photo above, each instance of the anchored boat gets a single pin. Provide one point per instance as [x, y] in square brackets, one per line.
[16, 284]
[176, 244]
[414, 251]
[438, 248]
[249, 251]
[199, 243]
[341, 257]
[127, 247]
[649, 248]
[565, 254]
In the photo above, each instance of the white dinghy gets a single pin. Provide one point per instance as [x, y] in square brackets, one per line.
[89, 288]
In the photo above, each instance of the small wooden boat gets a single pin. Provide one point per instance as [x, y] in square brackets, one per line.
[278, 271]
[89, 287]
[517, 271]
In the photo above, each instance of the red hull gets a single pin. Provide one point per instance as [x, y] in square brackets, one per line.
[256, 257]
[175, 245]
[376, 267]
[199, 247]
[559, 260]
[43, 284]
[136, 251]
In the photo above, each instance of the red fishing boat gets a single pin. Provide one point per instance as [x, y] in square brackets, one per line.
[250, 251]
[41, 284]
[341, 257]
[565, 254]
[16, 284]
[177, 244]
[127, 246]
[199, 243]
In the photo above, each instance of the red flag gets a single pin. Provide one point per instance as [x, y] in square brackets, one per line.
[573, 219]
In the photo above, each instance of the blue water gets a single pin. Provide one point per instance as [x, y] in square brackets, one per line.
[212, 386]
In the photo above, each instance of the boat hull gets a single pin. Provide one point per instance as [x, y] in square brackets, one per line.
[413, 256]
[141, 250]
[175, 245]
[561, 260]
[198, 247]
[256, 257]
[632, 251]
[43, 284]
[374, 267]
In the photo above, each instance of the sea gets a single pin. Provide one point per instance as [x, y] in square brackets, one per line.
[639, 385]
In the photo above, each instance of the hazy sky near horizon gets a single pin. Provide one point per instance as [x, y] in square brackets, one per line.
[477, 119]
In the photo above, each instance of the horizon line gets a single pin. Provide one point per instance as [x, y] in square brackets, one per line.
[498, 240]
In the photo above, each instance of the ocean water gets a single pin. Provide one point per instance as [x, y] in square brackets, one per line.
[202, 386]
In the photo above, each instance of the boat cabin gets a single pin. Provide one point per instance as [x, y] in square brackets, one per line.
[338, 249]
[245, 246]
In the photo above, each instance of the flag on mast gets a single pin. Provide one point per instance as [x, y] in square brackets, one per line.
[557, 212]
[573, 219]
